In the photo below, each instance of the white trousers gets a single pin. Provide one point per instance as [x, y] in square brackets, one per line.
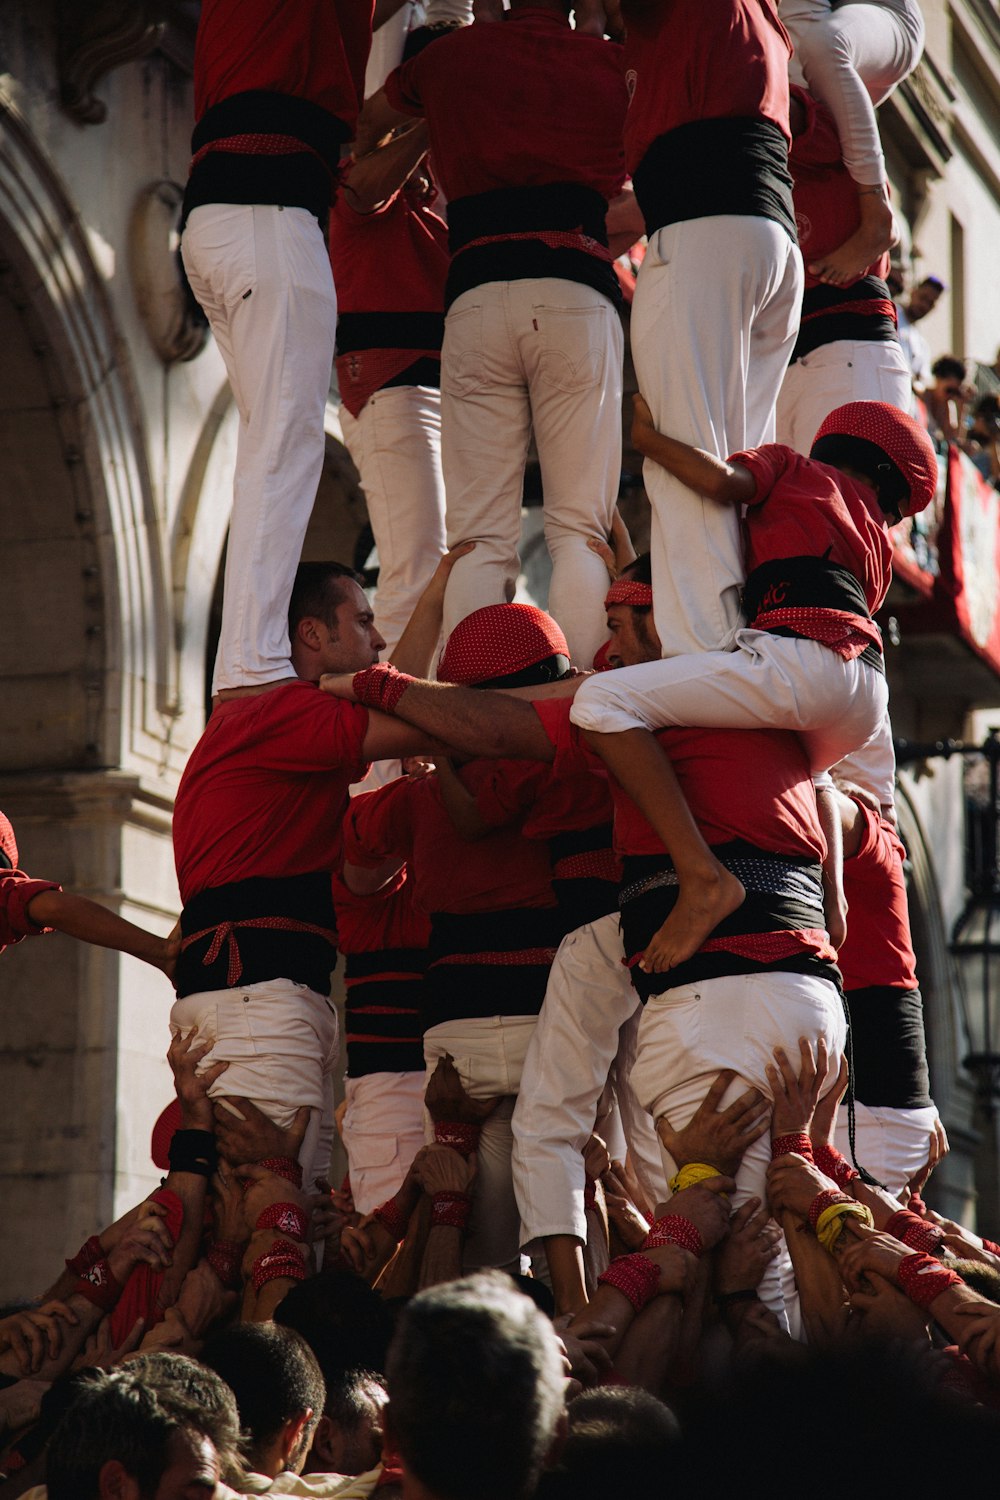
[395, 442]
[520, 356]
[687, 1035]
[489, 1055]
[768, 682]
[892, 1144]
[382, 1131]
[586, 1032]
[714, 320]
[852, 55]
[262, 274]
[281, 1042]
[833, 375]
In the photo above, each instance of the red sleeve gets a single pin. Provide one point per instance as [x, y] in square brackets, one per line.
[379, 825]
[504, 789]
[878, 847]
[17, 889]
[402, 88]
[138, 1300]
[819, 143]
[314, 732]
[572, 753]
[766, 464]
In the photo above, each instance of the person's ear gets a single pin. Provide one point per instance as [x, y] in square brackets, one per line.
[307, 633]
[323, 1447]
[114, 1482]
[293, 1434]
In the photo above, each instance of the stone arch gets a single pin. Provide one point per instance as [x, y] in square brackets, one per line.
[77, 494]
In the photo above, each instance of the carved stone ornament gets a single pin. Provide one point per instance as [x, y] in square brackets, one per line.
[176, 325]
[95, 37]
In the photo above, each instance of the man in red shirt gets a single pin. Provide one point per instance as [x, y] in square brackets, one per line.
[277, 89]
[525, 122]
[847, 348]
[717, 298]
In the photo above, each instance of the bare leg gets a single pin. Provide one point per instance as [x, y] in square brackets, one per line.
[708, 893]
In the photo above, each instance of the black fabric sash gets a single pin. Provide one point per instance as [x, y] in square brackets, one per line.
[805, 583]
[762, 911]
[890, 1050]
[822, 322]
[566, 206]
[455, 991]
[382, 1013]
[389, 330]
[303, 957]
[737, 165]
[583, 898]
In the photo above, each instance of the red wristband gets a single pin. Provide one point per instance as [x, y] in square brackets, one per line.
[915, 1232]
[450, 1208]
[797, 1140]
[289, 1218]
[672, 1229]
[283, 1260]
[993, 1248]
[282, 1166]
[636, 1277]
[391, 1216]
[923, 1278]
[380, 686]
[88, 1255]
[833, 1164]
[225, 1257]
[462, 1136]
[99, 1286]
[826, 1200]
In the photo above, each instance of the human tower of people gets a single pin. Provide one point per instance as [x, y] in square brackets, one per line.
[607, 933]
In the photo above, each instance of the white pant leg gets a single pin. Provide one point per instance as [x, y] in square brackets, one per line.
[852, 57]
[891, 1144]
[687, 1035]
[383, 1129]
[395, 442]
[571, 345]
[769, 682]
[640, 1132]
[485, 429]
[589, 997]
[262, 275]
[281, 1042]
[489, 1055]
[714, 320]
[388, 41]
[873, 765]
[833, 375]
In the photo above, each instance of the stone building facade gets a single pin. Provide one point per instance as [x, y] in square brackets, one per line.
[117, 437]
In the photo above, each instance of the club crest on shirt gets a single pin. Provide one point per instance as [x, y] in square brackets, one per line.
[631, 79]
[803, 226]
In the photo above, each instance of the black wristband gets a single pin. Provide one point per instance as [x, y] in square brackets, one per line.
[193, 1151]
[726, 1299]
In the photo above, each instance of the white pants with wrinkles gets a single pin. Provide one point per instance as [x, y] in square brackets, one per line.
[892, 1144]
[382, 1131]
[281, 1042]
[714, 320]
[395, 441]
[768, 682]
[852, 55]
[833, 375]
[262, 274]
[520, 356]
[586, 1032]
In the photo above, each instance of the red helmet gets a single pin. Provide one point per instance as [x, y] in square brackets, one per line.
[8, 843]
[904, 442]
[499, 641]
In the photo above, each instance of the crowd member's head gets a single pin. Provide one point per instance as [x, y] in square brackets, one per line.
[279, 1392]
[505, 645]
[629, 607]
[949, 374]
[619, 1438]
[985, 426]
[924, 298]
[348, 1326]
[884, 447]
[330, 622]
[475, 1391]
[151, 1430]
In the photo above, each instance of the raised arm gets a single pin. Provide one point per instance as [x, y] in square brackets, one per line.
[715, 478]
[378, 118]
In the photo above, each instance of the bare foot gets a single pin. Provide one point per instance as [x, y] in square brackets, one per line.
[701, 906]
[873, 236]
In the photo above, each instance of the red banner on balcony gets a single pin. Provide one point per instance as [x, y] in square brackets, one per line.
[951, 556]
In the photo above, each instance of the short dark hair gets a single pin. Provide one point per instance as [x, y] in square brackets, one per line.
[948, 366]
[345, 1322]
[475, 1388]
[618, 1437]
[273, 1374]
[318, 590]
[132, 1414]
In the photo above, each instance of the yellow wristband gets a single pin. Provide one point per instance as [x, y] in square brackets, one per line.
[695, 1171]
[829, 1226]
